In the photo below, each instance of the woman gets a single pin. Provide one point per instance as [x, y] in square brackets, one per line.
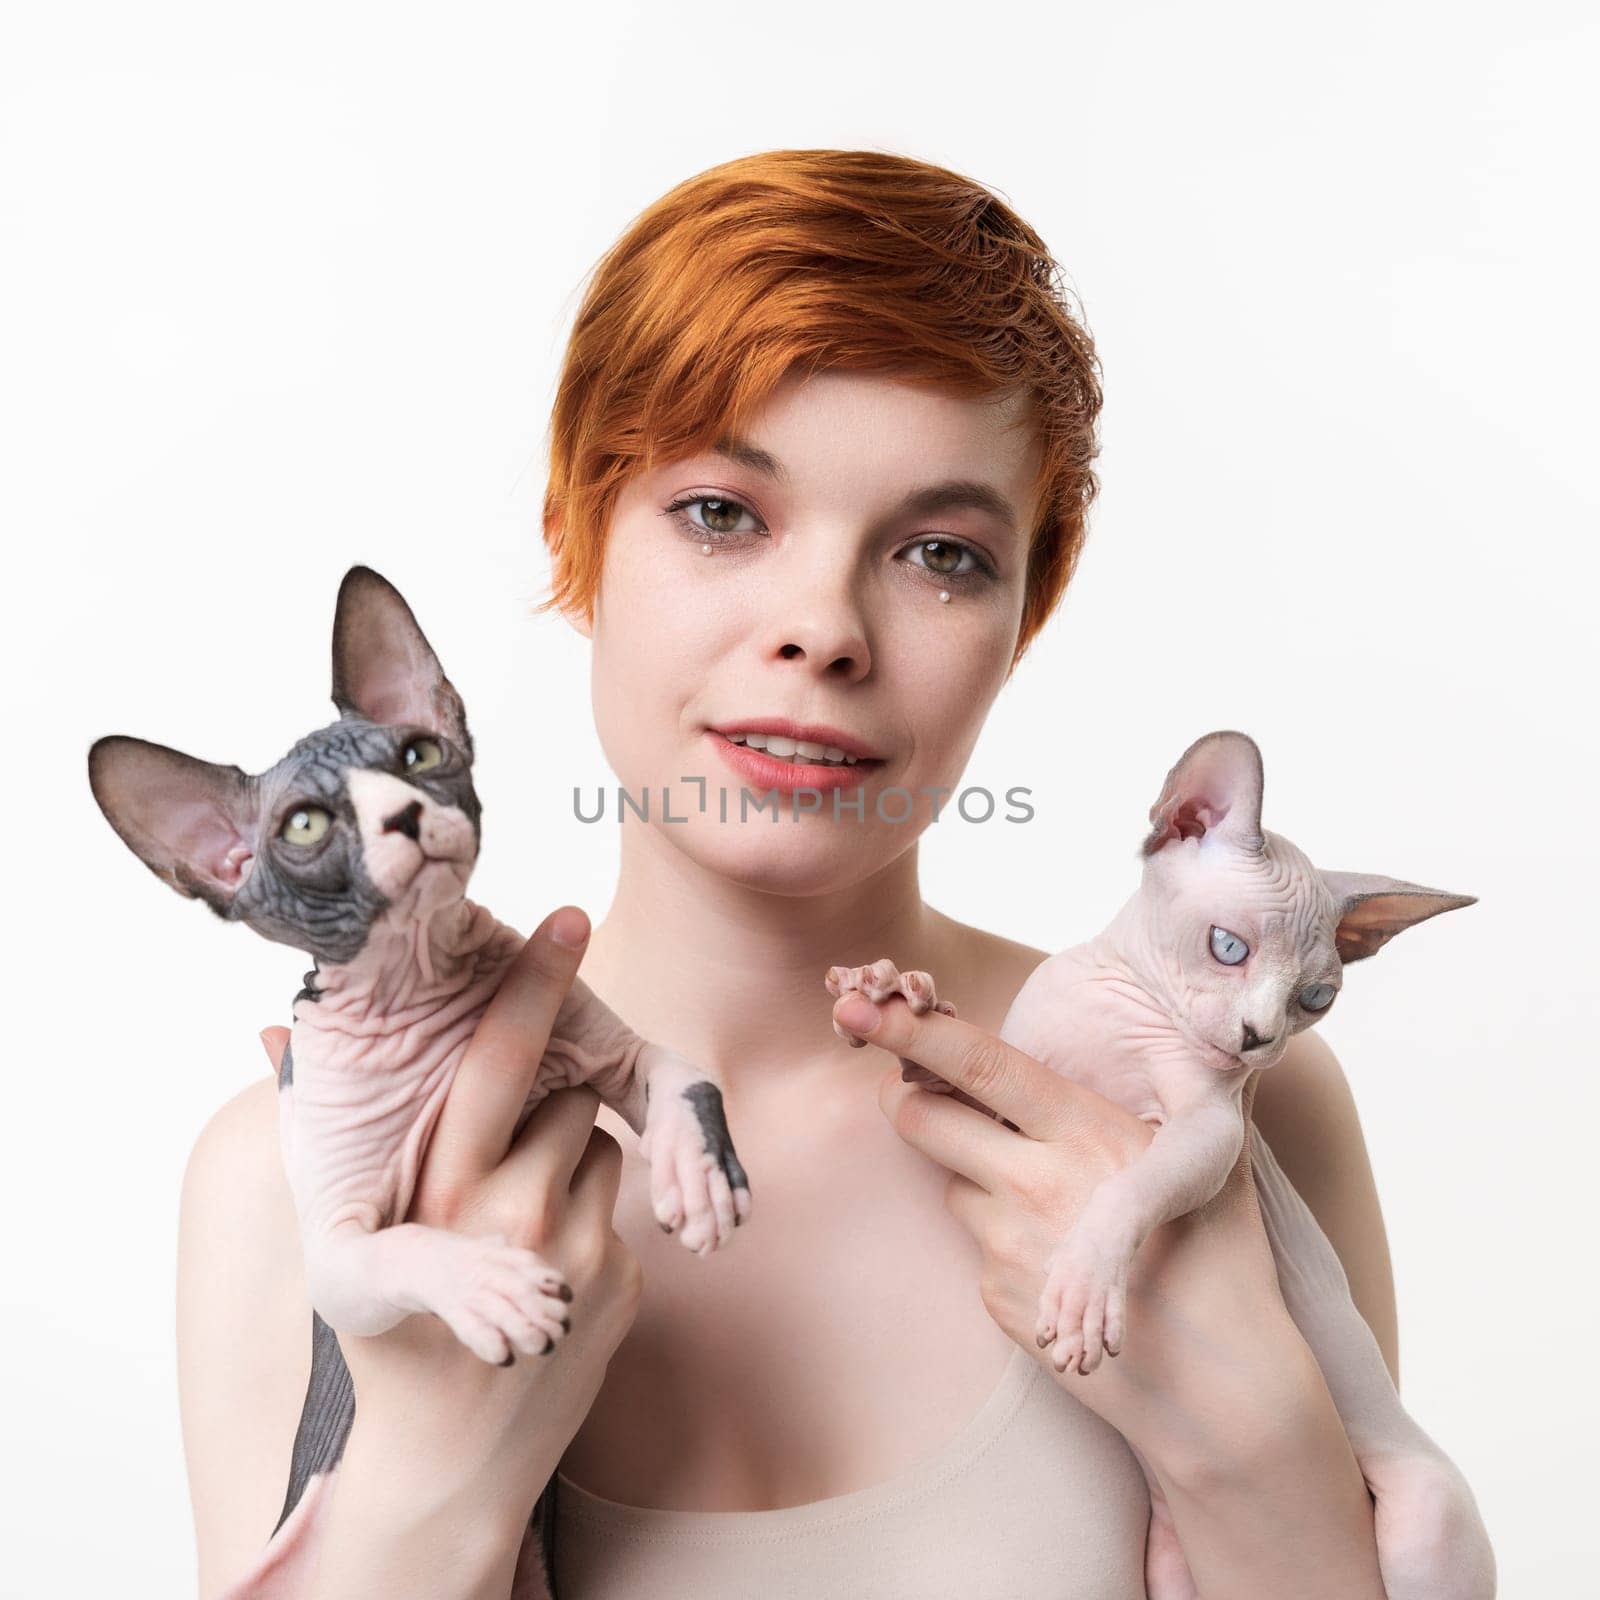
[821, 459]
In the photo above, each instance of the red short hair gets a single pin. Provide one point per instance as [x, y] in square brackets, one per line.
[814, 258]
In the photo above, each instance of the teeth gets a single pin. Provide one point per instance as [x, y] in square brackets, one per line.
[793, 750]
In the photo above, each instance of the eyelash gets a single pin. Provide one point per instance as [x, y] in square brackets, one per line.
[677, 510]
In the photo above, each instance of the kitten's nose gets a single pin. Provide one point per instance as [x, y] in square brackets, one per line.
[408, 820]
[1252, 1038]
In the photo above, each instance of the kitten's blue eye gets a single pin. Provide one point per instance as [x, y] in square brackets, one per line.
[1317, 996]
[421, 754]
[1227, 947]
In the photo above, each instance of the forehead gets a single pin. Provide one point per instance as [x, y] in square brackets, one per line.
[1279, 892]
[859, 437]
[321, 759]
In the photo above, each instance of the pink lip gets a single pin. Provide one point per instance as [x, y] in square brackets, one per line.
[810, 732]
[765, 772]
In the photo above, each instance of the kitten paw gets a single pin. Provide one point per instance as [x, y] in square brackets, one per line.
[698, 1189]
[1083, 1309]
[497, 1298]
[878, 982]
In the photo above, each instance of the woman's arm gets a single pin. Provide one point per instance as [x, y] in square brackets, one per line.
[448, 1453]
[1306, 1113]
[244, 1332]
[1214, 1384]
[244, 1354]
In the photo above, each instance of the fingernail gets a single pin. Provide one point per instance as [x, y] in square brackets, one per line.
[858, 1013]
[569, 927]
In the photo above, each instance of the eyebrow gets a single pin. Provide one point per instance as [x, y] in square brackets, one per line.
[923, 502]
[749, 455]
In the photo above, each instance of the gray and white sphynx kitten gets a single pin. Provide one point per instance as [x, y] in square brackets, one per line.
[357, 847]
[1233, 942]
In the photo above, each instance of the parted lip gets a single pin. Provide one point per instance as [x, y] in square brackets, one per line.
[810, 732]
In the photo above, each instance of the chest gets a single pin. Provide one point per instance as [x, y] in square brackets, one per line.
[1103, 1030]
[834, 1345]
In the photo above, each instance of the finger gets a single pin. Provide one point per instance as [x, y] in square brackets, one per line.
[491, 1084]
[967, 1202]
[967, 1141]
[544, 1156]
[597, 1179]
[1043, 1104]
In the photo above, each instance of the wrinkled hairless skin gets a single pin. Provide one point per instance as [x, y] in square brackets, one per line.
[357, 847]
[1233, 942]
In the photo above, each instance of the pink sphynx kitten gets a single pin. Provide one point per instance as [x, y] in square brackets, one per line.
[357, 847]
[1233, 942]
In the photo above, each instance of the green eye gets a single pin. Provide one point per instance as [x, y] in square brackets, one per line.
[421, 754]
[306, 825]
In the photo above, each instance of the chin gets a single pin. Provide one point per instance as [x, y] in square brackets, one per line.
[812, 857]
[434, 886]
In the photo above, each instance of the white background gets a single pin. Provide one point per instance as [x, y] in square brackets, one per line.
[285, 288]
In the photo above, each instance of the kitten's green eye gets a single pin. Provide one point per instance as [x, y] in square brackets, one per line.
[305, 825]
[422, 754]
[1317, 996]
[1227, 947]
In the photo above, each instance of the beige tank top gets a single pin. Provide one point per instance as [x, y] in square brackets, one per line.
[1035, 1497]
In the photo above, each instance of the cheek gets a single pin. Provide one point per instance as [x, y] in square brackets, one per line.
[1212, 995]
[947, 669]
[652, 647]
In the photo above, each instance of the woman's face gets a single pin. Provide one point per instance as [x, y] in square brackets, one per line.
[793, 576]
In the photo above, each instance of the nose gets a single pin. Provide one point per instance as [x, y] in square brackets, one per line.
[820, 623]
[838, 652]
[1252, 1038]
[407, 820]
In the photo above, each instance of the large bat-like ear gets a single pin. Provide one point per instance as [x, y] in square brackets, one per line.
[383, 667]
[1372, 909]
[1214, 790]
[192, 823]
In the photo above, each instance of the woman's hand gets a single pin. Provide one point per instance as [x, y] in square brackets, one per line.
[427, 1408]
[1203, 1294]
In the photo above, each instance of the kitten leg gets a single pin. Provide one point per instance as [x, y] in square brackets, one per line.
[697, 1183]
[697, 1186]
[1432, 1544]
[1083, 1306]
[495, 1296]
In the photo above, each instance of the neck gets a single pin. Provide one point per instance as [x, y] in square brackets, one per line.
[408, 968]
[1129, 944]
[732, 976]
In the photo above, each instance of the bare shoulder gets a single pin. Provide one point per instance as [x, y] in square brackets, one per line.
[1306, 1112]
[244, 1330]
[986, 971]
